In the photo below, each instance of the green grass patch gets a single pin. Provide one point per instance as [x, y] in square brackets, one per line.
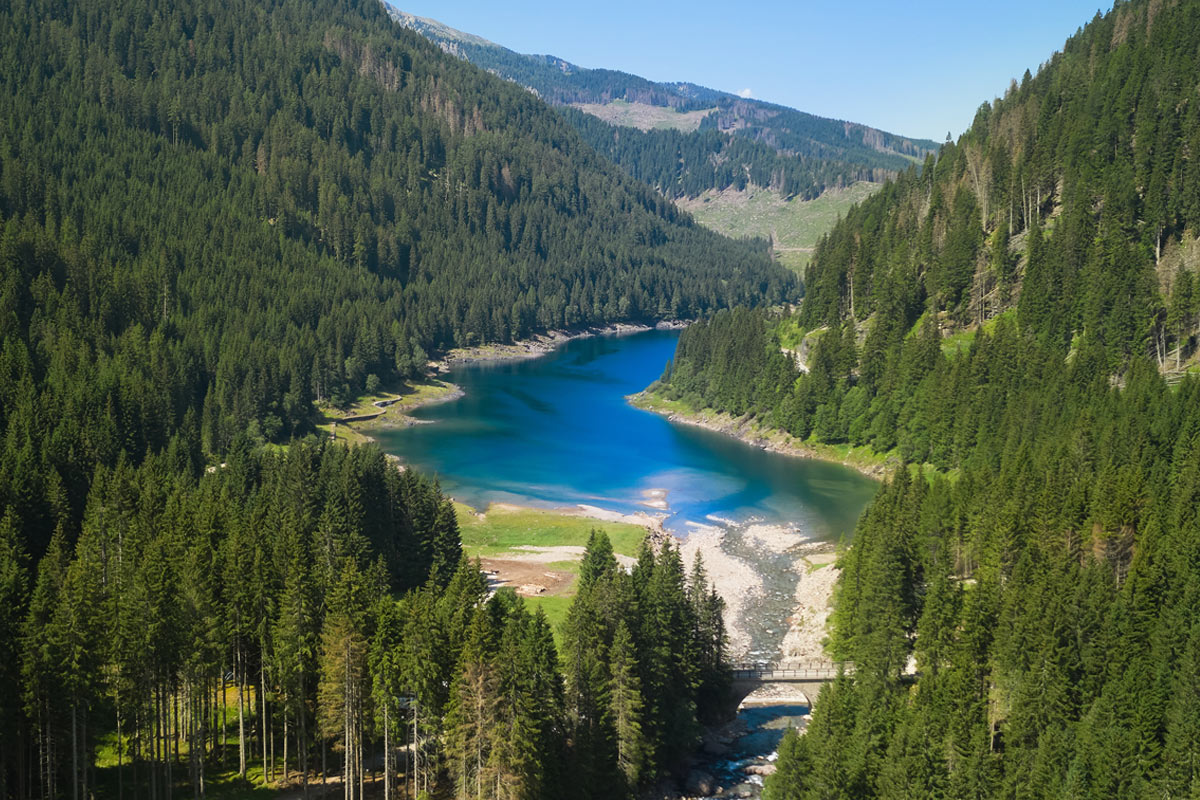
[555, 607]
[644, 116]
[218, 784]
[793, 337]
[852, 454]
[503, 528]
[790, 333]
[408, 396]
[794, 226]
[659, 404]
[956, 343]
[228, 786]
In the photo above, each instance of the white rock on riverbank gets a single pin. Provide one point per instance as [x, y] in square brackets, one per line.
[805, 638]
[734, 579]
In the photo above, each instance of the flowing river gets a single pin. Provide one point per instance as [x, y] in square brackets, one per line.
[557, 431]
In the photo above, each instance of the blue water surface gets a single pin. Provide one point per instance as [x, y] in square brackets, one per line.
[557, 431]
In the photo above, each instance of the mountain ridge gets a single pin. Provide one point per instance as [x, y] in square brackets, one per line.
[830, 152]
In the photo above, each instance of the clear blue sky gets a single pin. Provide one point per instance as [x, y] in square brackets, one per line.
[914, 68]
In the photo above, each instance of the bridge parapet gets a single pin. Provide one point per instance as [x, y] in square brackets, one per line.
[793, 671]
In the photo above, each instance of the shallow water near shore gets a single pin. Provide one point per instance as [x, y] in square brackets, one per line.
[557, 431]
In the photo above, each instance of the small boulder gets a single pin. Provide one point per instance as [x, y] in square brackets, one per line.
[700, 783]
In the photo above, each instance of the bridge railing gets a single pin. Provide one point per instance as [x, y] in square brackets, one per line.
[794, 671]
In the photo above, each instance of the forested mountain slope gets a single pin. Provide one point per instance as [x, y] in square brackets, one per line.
[1077, 194]
[211, 214]
[1041, 572]
[214, 214]
[740, 140]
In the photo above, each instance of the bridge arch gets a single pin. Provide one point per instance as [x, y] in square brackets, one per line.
[804, 677]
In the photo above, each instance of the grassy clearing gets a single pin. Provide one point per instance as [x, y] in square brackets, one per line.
[790, 333]
[555, 609]
[219, 784]
[227, 785]
[408, 396]
[792, 337]
[795, 226]
[106, 744]
[956, 343]
[645, 117]
[503, 528]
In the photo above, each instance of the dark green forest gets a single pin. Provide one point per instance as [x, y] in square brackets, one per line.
[680, 164]
[305, 615]
[1012, 323]
[213, 215]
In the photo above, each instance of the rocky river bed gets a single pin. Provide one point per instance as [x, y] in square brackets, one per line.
[778, 585]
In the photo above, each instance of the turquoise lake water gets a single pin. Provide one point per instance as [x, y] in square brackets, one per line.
[557, 431]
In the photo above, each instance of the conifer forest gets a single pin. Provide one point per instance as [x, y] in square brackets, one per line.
[1034, 558]
[217, 215]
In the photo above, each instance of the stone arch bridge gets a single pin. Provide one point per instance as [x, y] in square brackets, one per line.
[804, 677]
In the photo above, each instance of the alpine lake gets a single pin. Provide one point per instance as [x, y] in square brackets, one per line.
[557, 432]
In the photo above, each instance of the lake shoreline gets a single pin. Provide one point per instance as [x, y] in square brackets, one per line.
[394, 410]
[735, 554]
[753, 433]
[542, 344]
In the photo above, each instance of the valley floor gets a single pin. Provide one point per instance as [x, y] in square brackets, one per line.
[537, 551]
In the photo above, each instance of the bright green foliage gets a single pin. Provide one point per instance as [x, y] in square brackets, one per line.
[505, 721]
[627, 705]
[180, 589]
[1046, 597]
[788, 781]
[1046, 593]
[1092, 161]
[213, 215]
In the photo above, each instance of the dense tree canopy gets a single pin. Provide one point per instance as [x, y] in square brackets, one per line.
[1075, 197]
[212, 215]
[680, 164]
[1022, 609]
